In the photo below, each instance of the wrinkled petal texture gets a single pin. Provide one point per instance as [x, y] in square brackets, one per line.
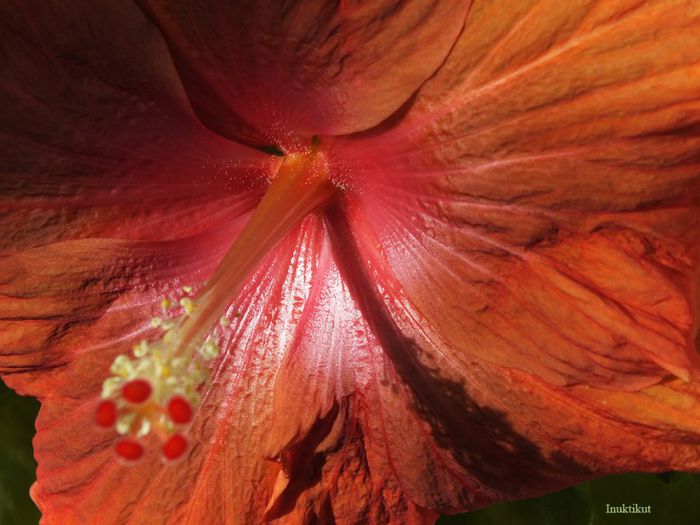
[546, 185]
[278, 72]
[100, 140]
[502, 303]
[534, 213]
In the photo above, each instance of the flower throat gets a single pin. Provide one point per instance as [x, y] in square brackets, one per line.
[157, 390]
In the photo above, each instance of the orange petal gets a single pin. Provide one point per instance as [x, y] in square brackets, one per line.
[50, 292]
[443, 338]
[549, 192]
[259, 70]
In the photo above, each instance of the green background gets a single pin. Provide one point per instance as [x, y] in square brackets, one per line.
[674, 497]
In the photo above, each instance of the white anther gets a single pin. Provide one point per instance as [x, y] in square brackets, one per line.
[122, 366]
[145, 428]
[187, 305]
[124, 423]
[141, 349]
[110, 386]
[209, 350]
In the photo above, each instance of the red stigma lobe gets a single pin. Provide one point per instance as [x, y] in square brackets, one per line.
[137, 391]
[129, 449]
[174, 447]
[179, 410]
[106, 413]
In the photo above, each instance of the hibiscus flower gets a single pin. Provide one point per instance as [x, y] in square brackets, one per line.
[442, 253]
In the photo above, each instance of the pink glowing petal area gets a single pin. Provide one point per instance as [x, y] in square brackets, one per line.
[100, 140]
[277, 70]
[544, 190]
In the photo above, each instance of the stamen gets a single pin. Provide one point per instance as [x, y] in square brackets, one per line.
[158, 390]
[210, 350]
[125, 423]
[187, 305]
[301, 185]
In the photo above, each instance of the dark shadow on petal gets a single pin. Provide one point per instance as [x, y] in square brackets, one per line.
[302, 464]
[481, 439]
